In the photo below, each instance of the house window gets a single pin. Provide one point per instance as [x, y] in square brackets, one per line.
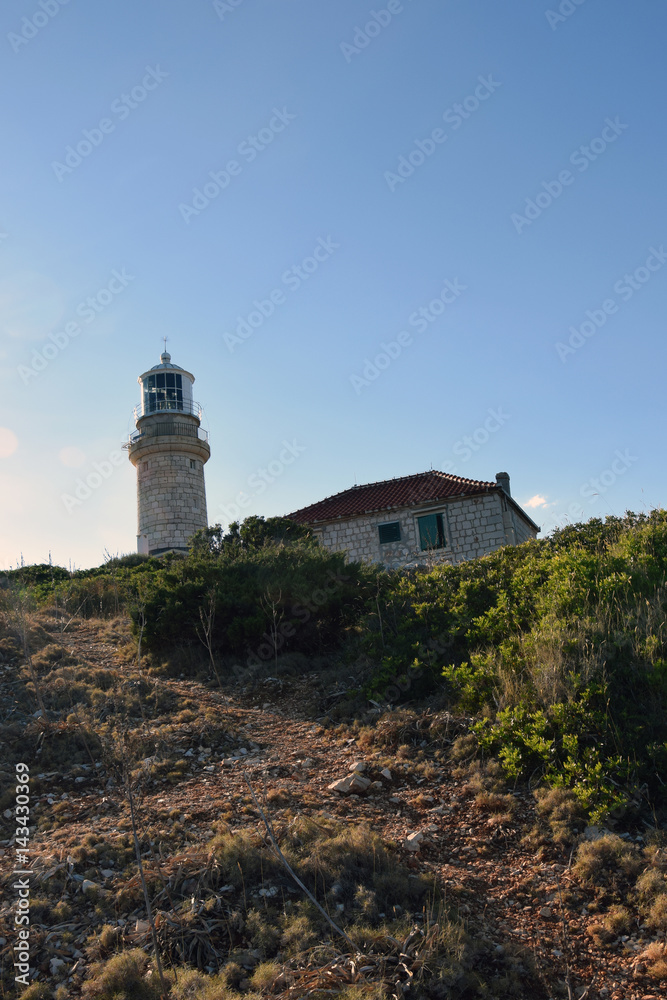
[431, 532]
[389, 532]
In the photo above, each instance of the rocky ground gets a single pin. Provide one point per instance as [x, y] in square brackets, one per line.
[197, 780]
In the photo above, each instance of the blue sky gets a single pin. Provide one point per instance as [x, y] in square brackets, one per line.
[469, 193]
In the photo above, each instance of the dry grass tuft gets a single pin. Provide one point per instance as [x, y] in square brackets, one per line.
[563, 812]
[655, 957]
[657, 915]
[125, 975]
[603, 860]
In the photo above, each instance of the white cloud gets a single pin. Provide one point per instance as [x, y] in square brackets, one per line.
[537, 501]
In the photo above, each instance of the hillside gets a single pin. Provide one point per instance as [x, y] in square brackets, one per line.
[463, 861]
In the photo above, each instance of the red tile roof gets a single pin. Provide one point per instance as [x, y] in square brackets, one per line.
[391, 493]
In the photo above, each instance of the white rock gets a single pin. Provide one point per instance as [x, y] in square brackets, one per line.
[55, 964]
[595, 832]
[413, 841]
[354, 784]
[360, 766]
[88, 886]
[107, 873]
[386, 773]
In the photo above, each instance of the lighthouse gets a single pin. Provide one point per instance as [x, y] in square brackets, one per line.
[169, 449]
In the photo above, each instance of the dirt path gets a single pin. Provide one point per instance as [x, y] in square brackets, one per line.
[501, 890]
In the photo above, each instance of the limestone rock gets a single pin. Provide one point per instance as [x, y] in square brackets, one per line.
[353, 784]
[413, 841]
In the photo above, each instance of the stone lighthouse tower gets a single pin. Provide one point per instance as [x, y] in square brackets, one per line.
[169, 449]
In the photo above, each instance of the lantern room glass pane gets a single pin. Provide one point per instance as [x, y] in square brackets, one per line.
[163, 392]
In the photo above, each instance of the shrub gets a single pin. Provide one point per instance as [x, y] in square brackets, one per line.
[655, 957]
[657, 915]
[123, 977]
[603, 860]
[562, 810]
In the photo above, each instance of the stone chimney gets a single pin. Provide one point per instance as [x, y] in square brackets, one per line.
[503, 480]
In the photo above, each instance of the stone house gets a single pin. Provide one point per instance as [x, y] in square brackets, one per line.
[418, 520]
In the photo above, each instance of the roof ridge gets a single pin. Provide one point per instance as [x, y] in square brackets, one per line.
[348, 494]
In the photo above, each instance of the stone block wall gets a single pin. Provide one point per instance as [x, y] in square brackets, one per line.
[474, 526]
[171, 499]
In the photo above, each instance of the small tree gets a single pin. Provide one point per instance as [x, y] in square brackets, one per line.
[205, 631]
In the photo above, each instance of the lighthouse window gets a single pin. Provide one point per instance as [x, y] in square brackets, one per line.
[193, 464]
[163, 392]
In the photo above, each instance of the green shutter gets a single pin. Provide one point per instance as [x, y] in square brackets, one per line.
[389, 532]
[431, 532]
